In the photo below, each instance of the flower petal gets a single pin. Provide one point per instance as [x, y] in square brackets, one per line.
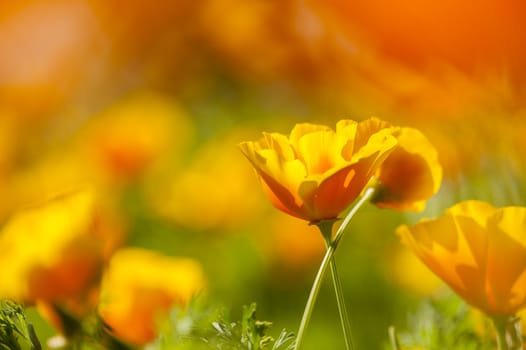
[345, 138]
[300, 130]
[338, 188]
[367, 128]
[275, 169]
[479, 251]
[317, 172]
[507, 238]
[316, 151]
[283, 198]
[478, 211]
[279, 144]
[453, 248]
[280, 177]
[140, 286]
[335, 193]
[411, 174]
[436, 243]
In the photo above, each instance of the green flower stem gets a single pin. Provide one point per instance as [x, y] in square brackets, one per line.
[501, 338]
[326, 230]
[342, 309]
[35, 342]
[393, 338]
[508, 332]
[313, 295]
[324, 265]
[367, 195]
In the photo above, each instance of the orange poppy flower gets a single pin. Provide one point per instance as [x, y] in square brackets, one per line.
[316, 172]
[410, 175]
[479, 251]
[140, 287]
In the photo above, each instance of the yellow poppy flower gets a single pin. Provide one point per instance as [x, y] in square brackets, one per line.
[52, 252]
[316, 172]
[139, 288]
[479, 251]
[410, 175]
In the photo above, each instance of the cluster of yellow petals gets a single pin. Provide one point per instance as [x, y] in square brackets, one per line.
[479, 251]
[316, 172]
[139, 288]
[52, 251]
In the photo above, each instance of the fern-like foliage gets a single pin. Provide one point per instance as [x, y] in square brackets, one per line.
[445, 323]
[15, 332]
[197, 329]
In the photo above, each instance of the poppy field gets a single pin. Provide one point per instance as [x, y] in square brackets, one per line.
[262, 175]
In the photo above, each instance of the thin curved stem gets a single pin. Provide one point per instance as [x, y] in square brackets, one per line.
[35, 342]
[500, 330]
[507, 329]
[342, 309]
[367, 195]
[328, 257]
[326, 231]
[313, 295]
[393, 339]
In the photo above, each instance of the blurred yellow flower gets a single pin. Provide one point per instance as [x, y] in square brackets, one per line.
[193, 199]
[316, 172]
[132, 135]
[140, 286]
[410, 175]
[54, 251]
[479, 251]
